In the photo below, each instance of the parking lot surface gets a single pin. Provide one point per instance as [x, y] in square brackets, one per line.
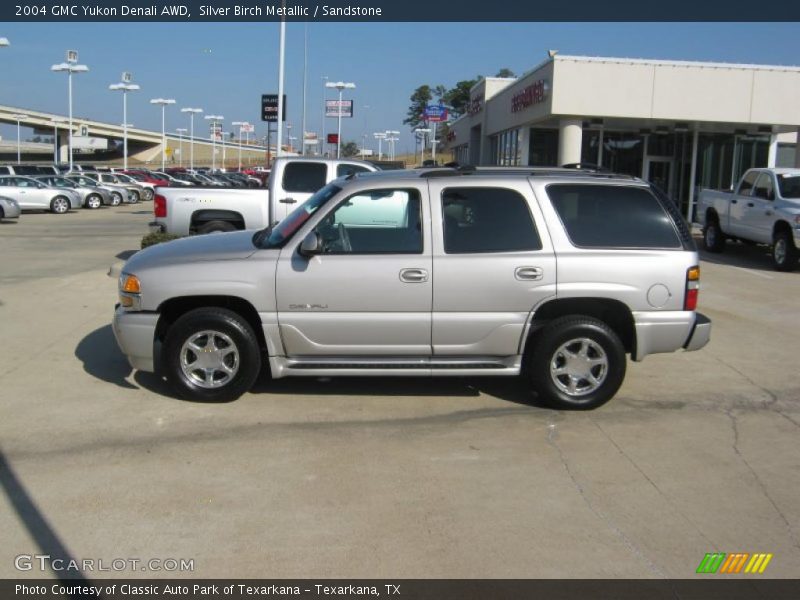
[399, 478]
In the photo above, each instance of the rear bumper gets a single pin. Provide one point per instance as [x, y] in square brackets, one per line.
[156, 227]
[135, 334]
[668, 331]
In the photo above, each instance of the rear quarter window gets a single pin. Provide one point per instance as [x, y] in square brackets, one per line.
[611, 216]
[304, 177]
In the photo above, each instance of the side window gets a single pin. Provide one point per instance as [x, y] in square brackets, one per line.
[304, 177]
[764, 188]
[21, 182]
[5, 171]
[613, 216]
[478, 220]
[376, 222]
[747, 183]
[347, 169]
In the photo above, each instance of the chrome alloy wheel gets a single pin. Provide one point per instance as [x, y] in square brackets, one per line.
[60, 205]
[579, 367]
[209, 359]
[780, 251]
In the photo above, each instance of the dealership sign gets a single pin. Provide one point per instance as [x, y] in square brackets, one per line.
[269, 108]
[435, 113]
[534, 93]
[339, 108]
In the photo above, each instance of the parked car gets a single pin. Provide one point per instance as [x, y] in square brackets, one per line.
[116, 194]
[148, 188]
[91, 196]
[205, 210]
[133, 192]
[145, 177]
[34, 195]
[9, 209]
[28, 170]
[554, 275]
[170, 179]
[764, 208]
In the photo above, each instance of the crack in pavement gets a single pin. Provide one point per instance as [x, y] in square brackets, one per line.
[735, 428]
[653, 484]
[551, 432]
[773, 398]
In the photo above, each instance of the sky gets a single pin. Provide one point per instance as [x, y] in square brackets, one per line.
[224, 68]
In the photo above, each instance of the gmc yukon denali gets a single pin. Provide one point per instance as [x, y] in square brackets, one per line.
[554, 275]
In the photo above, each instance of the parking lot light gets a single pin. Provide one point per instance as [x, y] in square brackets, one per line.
[70, 67]
[124, 86]
[18, 118]
[214, 120]
[240, 124]
[192, 112]
[180, 131]
[163, 102]
[340, 85]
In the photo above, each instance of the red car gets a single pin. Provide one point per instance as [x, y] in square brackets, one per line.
[146, 177]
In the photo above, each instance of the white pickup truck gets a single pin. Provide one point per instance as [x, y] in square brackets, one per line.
[185, 211]
[764, 208]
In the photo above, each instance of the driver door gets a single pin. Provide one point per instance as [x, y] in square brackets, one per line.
[368, 292]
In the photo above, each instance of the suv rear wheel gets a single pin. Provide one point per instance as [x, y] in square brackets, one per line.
[577, 362]
[212, 355]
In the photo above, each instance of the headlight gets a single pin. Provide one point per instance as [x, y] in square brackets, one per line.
[130, 291]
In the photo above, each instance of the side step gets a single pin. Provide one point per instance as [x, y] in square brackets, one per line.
[282, 366]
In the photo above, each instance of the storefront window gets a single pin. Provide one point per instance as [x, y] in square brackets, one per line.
[543, 148]
[505, 148]
[623, 152]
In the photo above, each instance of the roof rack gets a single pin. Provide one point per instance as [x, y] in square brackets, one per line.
[572, 170]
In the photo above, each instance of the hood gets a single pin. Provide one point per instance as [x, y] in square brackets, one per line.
[236, 245]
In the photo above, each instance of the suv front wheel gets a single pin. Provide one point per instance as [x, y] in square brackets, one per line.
[576, 363]
[211, 354]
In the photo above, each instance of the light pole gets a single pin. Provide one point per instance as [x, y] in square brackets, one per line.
[240, 124]
[340, 85]
[324, 112]
[18, 118]
[192, 112]
[180, 131]
[55, 121]
[421, 133]
[163, 102]
[390, 137]
[289, 133]
[213, 119]
[124, 86]
[380, 137]
[70, 67]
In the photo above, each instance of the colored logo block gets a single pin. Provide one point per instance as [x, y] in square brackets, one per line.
[734, 563]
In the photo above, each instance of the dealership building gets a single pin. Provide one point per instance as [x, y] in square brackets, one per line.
[682, 125]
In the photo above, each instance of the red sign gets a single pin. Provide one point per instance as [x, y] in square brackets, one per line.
[530, 95]
[333, 138]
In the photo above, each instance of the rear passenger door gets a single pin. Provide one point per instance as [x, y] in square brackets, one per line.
[300, 179]
[493, 263]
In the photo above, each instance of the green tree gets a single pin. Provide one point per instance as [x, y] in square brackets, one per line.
[457, 98]
[505, 72]
[419, 100]
[349, 149]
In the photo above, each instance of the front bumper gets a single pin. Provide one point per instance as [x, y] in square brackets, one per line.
[135, 334]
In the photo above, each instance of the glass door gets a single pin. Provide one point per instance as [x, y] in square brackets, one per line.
[660, 172]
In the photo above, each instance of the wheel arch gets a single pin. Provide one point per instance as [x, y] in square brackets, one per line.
[781, 225]
[201, 217]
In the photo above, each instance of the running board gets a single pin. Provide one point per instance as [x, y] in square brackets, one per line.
[396, 366]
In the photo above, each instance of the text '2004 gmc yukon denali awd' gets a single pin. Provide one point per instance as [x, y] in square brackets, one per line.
[553, 274]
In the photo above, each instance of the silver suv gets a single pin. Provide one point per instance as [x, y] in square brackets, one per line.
[551, 274]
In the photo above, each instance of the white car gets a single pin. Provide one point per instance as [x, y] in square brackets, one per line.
[9, 209]
[34, 195]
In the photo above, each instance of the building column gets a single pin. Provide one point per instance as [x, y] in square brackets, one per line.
[62, 144]
[772, 157]
[524, 145]
[570, 139]
[797, 151]
[692, 176]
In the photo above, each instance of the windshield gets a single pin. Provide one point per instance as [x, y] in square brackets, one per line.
[124, 178]
[136, 176]
[294, 221]
[789, 185]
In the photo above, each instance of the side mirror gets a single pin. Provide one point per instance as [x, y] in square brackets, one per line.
[311, 245]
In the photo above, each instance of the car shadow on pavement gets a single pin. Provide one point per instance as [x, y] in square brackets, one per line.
[36, 524]
[102, 358]
[738, 254]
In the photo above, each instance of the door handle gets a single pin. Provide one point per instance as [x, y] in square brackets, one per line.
[528, 273]
[287, 201]
[413, 275]
[734, 201]
[750, 204]
[768, 213]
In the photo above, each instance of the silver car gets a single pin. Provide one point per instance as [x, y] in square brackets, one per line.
[91, 196]
[31, 194]
[552, 275]
[134, 190]
[116, 195]
[9, 209]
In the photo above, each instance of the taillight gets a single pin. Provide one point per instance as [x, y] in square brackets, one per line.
[692, 288]
[159, 206]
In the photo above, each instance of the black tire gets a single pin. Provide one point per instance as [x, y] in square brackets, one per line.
[60, 205]
[225, 324]
[216, 227]
[784, 252]
[93, 201]
[116, 198]
[570, 335]
[713, 238]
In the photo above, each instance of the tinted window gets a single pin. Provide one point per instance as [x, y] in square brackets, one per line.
[5, 171]
[789, 185]
[304, 177]
[376, 222]
[487, 220]
[748, 182]
[764, 188]
[612, 216]
[343, 170]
